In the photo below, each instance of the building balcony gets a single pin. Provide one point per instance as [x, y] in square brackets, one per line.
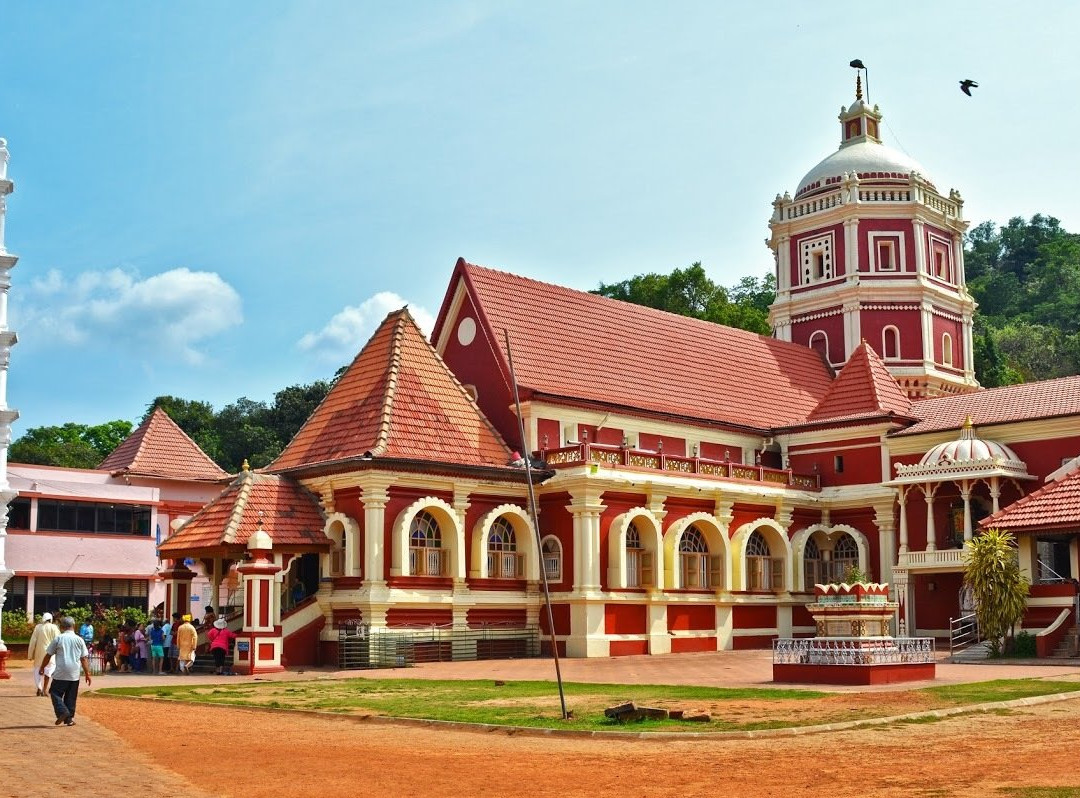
[940, 560]
[639, 459]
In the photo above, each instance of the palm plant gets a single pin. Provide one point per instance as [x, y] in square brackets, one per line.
[999, 588]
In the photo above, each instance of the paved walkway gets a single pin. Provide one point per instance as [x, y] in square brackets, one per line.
[38, 758]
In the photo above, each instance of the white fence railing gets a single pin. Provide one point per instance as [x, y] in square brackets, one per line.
[505, 565]
[853, 650]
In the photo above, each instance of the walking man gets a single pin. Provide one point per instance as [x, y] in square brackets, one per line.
[71, 656]
[43, 634]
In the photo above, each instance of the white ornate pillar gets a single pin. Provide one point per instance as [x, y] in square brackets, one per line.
[931, 534]
[7, 340]
[901, 493]
[886, 525]
[374, 496]
[995, 493]
[965, 494]
[587, 637]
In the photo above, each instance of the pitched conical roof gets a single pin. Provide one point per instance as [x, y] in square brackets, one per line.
[863, 388]
[397, 399]
[159, 448]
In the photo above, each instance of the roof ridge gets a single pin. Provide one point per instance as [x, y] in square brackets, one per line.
[382, 440]
[247, 479]
[460, 386]
[607, 300]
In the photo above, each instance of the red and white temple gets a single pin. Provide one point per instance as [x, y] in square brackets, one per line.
[697, 480]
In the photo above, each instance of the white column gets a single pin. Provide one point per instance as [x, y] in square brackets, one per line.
[965, 494]
[883, 520]
[902, 495]
[920, 247]
[374, 498]
[995, 492]
[7, 416]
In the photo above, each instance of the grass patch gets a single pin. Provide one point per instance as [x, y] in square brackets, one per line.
[536, 704]
[1041, 792]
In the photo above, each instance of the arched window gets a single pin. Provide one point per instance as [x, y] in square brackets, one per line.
[890, 343]
[426, 554]
[819, 342]
[845, 556]
[763, 571]
[697, 570]
[504, 561]
[639, 562]
[946, 349]
[551, 551]
[338, 549]
[813, 573]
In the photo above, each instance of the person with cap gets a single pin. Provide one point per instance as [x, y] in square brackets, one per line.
[71, 656]
[186, 640]
[44, 633]
[221, 638]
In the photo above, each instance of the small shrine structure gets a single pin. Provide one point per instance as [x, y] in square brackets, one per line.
[854, 644]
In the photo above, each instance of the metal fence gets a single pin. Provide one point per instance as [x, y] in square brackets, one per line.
[359, 646]
[853, 651]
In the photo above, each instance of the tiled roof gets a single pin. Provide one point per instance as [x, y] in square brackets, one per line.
[396, 400]
[586, 347]
[1046, 399]
[289, 513]
[1053, 506]
[159, 448]
[864, 387]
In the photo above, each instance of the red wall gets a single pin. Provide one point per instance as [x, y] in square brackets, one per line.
[477, 364]
[672, 445]
[685, 617]
[625, 619]
[832, 326]
[549, 428]
[886, 226]
[753, 617]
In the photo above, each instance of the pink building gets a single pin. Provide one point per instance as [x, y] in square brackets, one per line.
[91, 535]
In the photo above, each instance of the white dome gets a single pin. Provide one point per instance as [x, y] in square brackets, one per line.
[968, 448]
[861, 157]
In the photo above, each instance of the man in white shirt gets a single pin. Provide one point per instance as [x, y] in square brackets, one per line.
[71, 655]
[44, 633]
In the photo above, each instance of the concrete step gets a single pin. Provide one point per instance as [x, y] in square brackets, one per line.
[974, 653]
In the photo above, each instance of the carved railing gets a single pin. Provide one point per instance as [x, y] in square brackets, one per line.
[619, 456]
[932, 559]
[853, 651]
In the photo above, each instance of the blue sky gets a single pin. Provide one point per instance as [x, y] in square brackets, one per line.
[217, 200]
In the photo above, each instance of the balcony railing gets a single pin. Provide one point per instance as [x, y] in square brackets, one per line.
[426, 561]
[633, 567]
[951, 558]
[618, 456]
[505, 565]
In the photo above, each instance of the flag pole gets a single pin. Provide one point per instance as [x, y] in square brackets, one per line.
[527, 455]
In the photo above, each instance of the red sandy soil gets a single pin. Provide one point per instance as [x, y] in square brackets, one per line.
[260, 754]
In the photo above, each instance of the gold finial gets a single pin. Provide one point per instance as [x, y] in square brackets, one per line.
[969, 422]
[245, 466]
[858, 86]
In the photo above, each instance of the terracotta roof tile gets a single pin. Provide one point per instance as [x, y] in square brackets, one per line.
[864, 387]
[289, 513]
[1053, 506]
[1046, 399]
[582, 346]
[159, 448]
[396, 400]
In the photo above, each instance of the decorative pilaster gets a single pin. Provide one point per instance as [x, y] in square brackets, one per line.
[886, 525]
[931, 533]
[374, 498]
[260, 642]
[7, 340]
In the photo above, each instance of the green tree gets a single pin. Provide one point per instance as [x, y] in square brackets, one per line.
[70, 445]
[690, 292]
[992, 571]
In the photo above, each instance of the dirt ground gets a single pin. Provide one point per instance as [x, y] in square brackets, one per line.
[257, 754]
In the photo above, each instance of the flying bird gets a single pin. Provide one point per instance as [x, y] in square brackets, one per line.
[967, 85]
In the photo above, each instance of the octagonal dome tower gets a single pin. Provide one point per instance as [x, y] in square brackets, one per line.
[867, 248]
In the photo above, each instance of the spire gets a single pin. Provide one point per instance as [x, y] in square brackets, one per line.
[858, 86]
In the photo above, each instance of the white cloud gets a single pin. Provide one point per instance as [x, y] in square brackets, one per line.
[174, 312]
[350, 328]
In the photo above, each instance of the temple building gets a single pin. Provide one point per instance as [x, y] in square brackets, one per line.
[693, 481]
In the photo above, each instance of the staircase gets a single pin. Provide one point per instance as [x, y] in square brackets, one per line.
[1067, 648]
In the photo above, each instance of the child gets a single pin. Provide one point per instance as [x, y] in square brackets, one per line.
[157, 646]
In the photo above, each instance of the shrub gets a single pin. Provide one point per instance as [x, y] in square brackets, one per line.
[1023, 645]
[16, 626]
